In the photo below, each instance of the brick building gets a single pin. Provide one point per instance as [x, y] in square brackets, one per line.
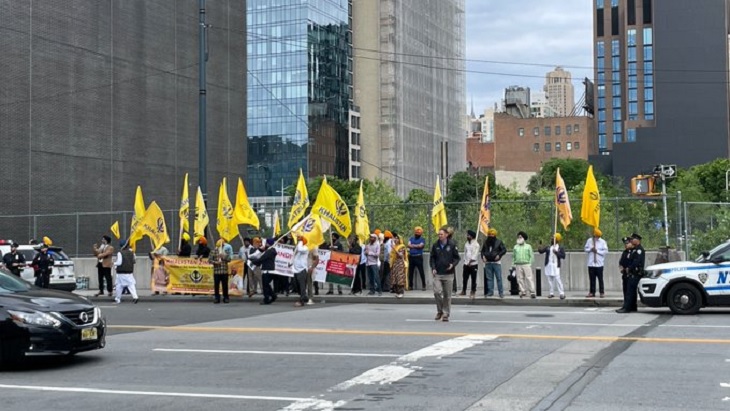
[522, 145]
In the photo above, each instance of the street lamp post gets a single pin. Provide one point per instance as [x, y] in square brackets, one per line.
[727, 183]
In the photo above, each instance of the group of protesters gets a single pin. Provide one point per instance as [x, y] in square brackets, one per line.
[389, 262]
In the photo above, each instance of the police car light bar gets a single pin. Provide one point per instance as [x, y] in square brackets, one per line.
[6, 242]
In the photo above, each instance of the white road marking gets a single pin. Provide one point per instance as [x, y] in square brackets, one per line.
[725, 385]
[395, 371]
[322, 404]
[402, 367]
[303, 353]
[587, 311]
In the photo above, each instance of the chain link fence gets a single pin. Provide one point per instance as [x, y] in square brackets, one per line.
[77, 232]
[705, 226]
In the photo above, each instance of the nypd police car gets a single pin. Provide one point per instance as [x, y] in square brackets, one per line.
[687, 286]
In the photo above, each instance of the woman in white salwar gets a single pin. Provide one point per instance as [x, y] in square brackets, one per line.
[554, 253]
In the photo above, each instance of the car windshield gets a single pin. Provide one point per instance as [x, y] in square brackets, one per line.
[28, 254]
[11, 284]
[721, 252]
[58, 254]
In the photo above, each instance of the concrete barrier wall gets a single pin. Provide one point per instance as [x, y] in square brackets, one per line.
[574, 271]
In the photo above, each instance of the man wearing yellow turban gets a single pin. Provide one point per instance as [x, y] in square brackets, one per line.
[554, 253]
[596, 249]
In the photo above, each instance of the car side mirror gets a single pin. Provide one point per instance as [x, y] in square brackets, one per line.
[705, 254]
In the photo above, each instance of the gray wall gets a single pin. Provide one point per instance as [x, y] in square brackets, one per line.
[99, 96]
[691, 89]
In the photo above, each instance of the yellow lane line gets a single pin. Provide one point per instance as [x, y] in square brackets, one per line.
[415, 334]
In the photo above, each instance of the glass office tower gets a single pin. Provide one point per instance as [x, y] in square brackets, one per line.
[299, 91]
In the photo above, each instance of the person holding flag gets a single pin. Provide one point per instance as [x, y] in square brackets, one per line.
[596, 247]
[554, 253]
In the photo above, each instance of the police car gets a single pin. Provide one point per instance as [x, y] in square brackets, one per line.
[62, 273]
[687, 286]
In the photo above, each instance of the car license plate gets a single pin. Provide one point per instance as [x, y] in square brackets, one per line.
[88, 334]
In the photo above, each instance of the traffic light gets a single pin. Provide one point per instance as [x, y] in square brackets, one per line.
[643, 186]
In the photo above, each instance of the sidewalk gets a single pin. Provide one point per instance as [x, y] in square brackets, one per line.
[572, 299]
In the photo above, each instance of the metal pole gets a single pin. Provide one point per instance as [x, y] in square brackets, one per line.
[727, 182]
[686, 233]
[77, 235]
[679, 220]
[666, 218]
[203, 58]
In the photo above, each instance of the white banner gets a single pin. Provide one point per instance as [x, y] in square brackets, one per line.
[285, 257]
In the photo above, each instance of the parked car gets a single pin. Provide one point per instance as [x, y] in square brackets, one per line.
[41, 321]
[687, 286]
[62, 275]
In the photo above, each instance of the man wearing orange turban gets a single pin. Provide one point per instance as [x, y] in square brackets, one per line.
[415, 258]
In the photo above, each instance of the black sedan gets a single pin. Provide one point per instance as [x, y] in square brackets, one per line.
[41, 321]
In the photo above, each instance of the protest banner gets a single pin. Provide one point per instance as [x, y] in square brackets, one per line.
[193, 276]
[341, 268]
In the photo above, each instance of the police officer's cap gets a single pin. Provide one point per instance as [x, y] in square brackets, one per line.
[626, 240]
[636, 236]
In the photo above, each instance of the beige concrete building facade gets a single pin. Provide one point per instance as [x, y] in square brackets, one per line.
[560, 91]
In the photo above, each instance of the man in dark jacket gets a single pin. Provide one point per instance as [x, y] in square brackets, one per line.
[634, 271]
[444, 258]
[492, 251]
[623, 263]
[44, 262]
[358, 283]
[14, 261]
[267, 261]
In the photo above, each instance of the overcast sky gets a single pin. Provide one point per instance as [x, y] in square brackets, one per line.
[530, 33]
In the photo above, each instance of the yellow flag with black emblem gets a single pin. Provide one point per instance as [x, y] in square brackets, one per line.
[438, 212]
[201, 216]
[362, 225]
[277, 224]
[153, 225]
[139, 211]
[300, 203]
[329, 206]
[590, 211]
[562, 204]
[312, 228]
[225, 222]
[244, 213]
[115, 229]
[184, 213]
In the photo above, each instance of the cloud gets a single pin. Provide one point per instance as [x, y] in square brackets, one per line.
[523, 40]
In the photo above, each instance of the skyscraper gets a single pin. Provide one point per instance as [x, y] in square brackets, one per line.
[661, 71]
[299, 91]
[560, 91]
[410, 87]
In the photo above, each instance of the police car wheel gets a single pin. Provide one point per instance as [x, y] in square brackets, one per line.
[684, 299]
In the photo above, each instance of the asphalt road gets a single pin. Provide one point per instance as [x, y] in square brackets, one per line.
[190, 356]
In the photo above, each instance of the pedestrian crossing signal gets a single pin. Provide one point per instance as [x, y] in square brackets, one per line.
[643, 186]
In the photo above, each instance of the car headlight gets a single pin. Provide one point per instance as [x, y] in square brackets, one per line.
[35, 318]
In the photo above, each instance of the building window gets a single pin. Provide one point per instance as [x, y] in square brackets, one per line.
[617, 138]
[631, 54]
[648, 53]
[601, 127]
[631, 37]
[649, 110]
[648, 94]
[557, 146]
[568, 130]
[633, 110]
[536, 147]
[568, 146]
[576, 128]
[614, 3]
[599, 4]
[557, 130]
[646, 6]
[616, 126]
[631, 135]
[547, 147]
[631, 17]
[616, 102]
[601, 143]
[648, 36]
[547, 131]
[615, 48]
[576, 145]
[536, 131]
[617, 114]
[521, 132]
[600, 49]
[648, 81]
[616, 90]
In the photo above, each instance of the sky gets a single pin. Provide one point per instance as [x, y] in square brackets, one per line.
[533, 36]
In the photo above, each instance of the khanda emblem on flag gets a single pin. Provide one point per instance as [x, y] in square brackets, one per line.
[341, 208]
[160, 225]
[228, 211]
[361, 213]
[309, 225]
[297, 197]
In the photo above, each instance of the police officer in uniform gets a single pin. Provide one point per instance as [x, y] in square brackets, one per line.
[634, 272]
[623, 263]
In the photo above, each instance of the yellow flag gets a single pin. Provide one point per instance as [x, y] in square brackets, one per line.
[301, 201]
[153, 225]
[329, 206]
[485, 210]
[312, 227]
[562, 204]
[438, 212]
[590, 211]
[244, 213]
[362, 225]
[115, 229]
[185, 207]
[277, 224]
[201, 215]
[139, 211]
[225, 223]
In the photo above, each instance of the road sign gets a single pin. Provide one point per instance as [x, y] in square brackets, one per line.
[668, 171]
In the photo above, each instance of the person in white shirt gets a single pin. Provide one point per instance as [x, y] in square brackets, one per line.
[124, 266]
[300, 268]
[471, 263]
[596, 249]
